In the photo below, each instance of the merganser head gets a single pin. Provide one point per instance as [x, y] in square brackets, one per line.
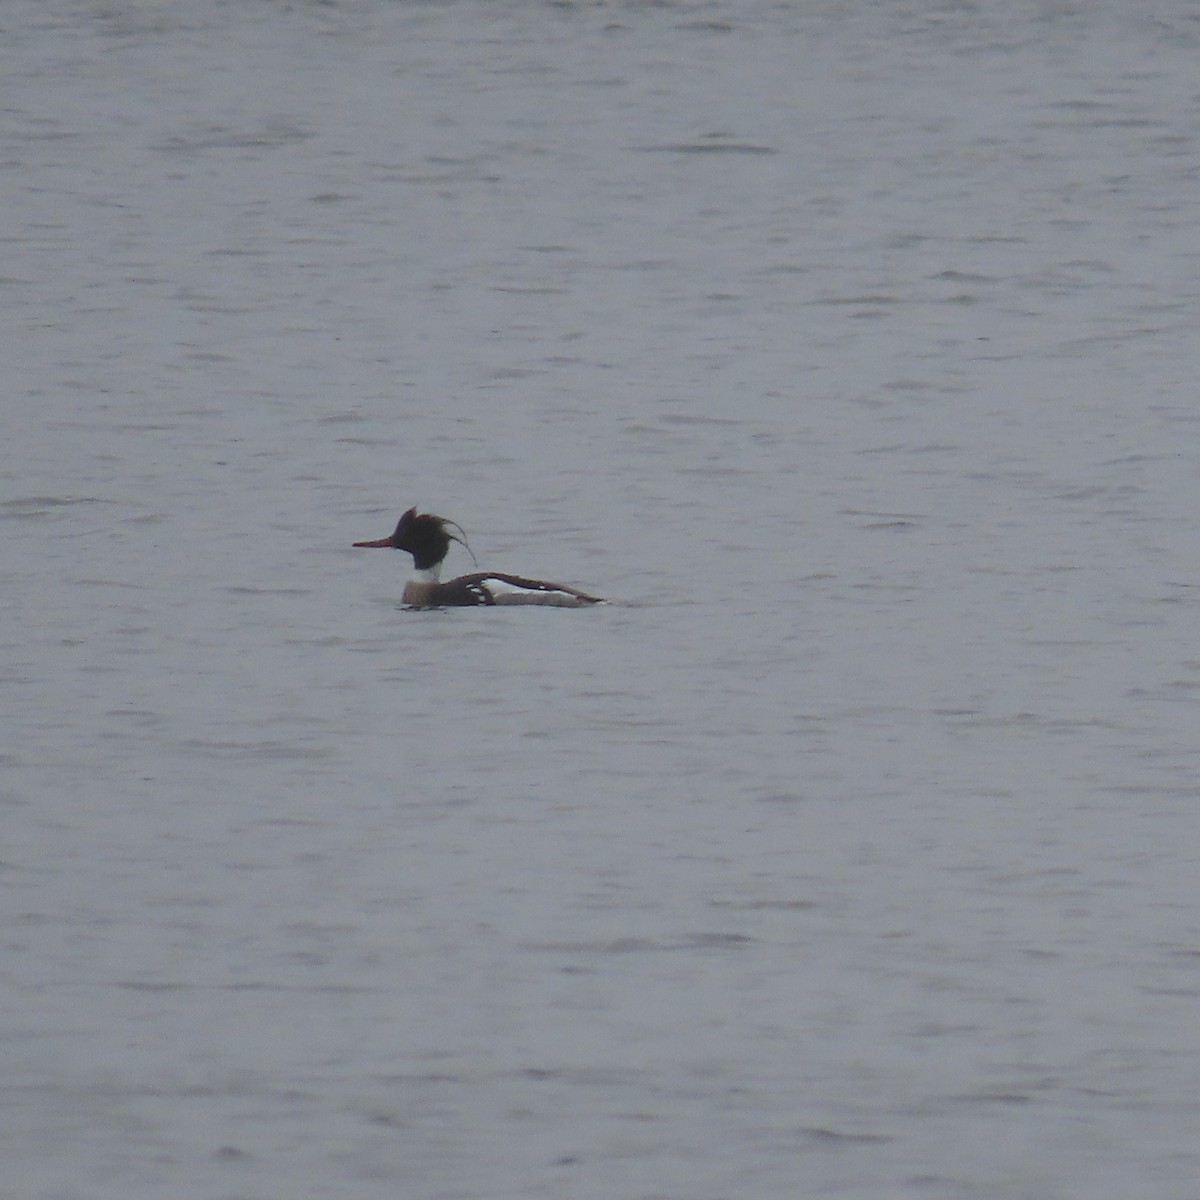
[425, 536]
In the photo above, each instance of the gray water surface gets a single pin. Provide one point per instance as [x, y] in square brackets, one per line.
[851, 351]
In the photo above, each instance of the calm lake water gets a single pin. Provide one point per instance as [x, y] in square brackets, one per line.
[851, 851]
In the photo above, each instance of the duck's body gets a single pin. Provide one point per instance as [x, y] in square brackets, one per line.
[422, 591]
[427, 539]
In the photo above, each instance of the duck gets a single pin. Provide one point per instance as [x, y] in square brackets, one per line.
[427, 538]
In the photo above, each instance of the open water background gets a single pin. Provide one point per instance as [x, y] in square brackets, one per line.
[852, 350]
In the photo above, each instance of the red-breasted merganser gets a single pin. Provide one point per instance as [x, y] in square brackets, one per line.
[427, 538]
